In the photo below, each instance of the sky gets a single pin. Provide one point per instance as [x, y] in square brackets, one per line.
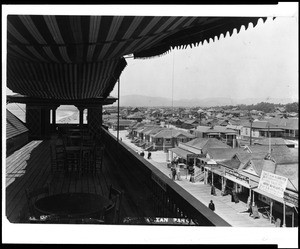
[260, 62]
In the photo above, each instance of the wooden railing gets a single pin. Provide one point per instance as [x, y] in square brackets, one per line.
[164, 196]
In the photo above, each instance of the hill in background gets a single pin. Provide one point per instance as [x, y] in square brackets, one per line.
[148, 101]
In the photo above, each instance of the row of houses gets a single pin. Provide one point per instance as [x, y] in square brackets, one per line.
[238, 168]
[155, 137]
[262, 125]
[243, 169]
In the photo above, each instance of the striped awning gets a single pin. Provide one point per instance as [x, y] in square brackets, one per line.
[79, 57]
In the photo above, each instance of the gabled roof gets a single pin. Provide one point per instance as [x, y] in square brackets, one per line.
[286, 123]
[14, 126]
[233, 163]
[148, 129]
[154, 130]
[273, 140]
[190, 121]
[137, 125]
[206, 143]
[214, 129]
[171, 133]
[221, 154]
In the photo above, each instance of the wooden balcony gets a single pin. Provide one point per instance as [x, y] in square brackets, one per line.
[30, 168]
[147, 191]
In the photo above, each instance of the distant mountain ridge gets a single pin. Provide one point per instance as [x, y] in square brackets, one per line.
[148, 101]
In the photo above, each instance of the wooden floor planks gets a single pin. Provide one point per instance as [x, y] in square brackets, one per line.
[30, 167]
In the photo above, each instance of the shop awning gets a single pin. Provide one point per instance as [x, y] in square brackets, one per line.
[180, 152]
[273, 197]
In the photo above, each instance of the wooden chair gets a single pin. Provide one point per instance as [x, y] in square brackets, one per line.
[73, 161]
[112, 212]
[98, 157]
[87, 160]
[58, 158]
[34, 195]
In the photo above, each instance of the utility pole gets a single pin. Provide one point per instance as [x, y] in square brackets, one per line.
[251, 121]
[118, 120]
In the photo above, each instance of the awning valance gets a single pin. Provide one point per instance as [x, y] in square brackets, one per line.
[273, 197]
[81, 57]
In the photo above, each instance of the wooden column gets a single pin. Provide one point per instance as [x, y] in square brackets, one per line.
[284, 225]
[38, 121]
[271, 211]
[95, 120]
[81, 109]
[53, 108]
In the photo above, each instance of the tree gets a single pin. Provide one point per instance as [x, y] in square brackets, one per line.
[292, 107]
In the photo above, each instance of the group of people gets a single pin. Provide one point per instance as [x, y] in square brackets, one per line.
[143, 154]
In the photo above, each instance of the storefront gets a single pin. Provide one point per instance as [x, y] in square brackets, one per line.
[272, 191]
[236, 181]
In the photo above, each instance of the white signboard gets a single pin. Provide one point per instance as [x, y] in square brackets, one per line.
[272, 183]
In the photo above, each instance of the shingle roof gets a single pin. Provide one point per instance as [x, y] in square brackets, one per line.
[14, 126]
[286, 123]
[169, 133]
[216, 129]
[232, 163]
[206, 143]
[221, 154]
[154, 131]
[273, 140]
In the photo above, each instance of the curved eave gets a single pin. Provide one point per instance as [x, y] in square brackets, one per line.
[197, 35]
[92, 102]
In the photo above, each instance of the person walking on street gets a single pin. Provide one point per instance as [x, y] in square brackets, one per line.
[211, 205]
[178, 172]
[173, 173]
[149, 155]
[213, 190]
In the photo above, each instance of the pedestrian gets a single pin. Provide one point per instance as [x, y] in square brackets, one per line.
[149, 155]
[178, 172]
[213, 190]
[192, 178]
[142, 154]
[211, 205]
[173, 173]
[278, 222]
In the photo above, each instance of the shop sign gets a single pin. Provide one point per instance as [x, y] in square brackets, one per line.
[291, 198]
[272, 183]
[159, 181]
[236, 175]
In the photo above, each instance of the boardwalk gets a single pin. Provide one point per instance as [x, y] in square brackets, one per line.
[233, 213]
